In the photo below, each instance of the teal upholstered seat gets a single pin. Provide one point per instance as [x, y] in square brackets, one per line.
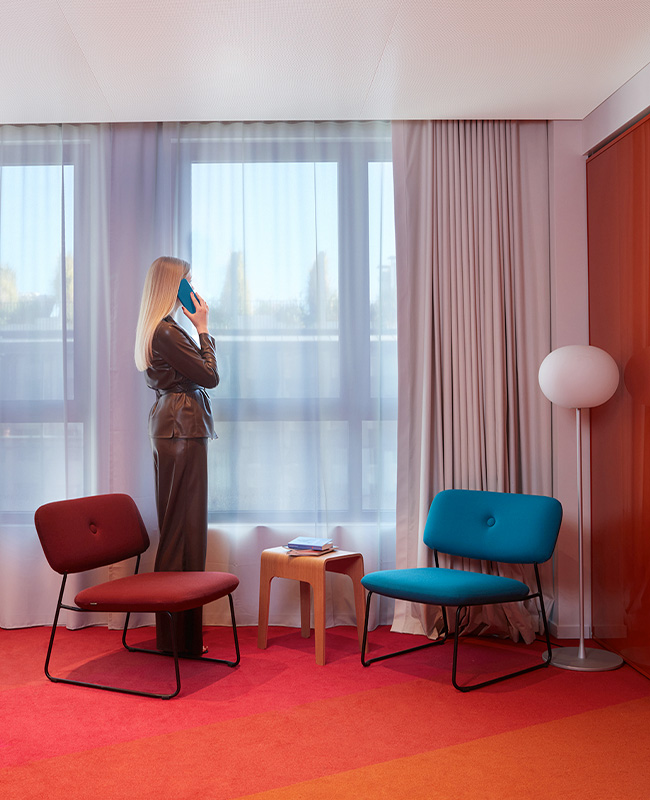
[487, 526]
[445, 587]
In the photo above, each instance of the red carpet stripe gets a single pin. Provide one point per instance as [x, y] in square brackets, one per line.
[279, 723]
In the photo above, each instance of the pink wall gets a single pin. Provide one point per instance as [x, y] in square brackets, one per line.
[570, 325]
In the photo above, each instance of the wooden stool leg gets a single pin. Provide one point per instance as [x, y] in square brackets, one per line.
[353, 567]
[263, 613]
[305, 609]
[319, 615]
[355, 572]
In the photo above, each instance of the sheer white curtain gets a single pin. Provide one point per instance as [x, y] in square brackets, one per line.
[472, 231]
[290, 232]
[54, 334]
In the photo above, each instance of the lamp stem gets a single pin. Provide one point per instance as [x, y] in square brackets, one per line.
[581, 597]
[580, 376]
[583, 659]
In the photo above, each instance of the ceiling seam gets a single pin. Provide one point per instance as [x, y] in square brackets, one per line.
[81, 50]
[381, 58]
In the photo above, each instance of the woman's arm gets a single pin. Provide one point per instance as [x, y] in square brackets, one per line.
[175, 347]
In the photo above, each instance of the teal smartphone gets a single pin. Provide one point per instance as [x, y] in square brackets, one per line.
[184, 295]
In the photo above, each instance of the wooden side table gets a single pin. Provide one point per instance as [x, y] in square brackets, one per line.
[310, 571]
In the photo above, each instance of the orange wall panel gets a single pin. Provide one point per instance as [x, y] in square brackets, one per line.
[618, 198]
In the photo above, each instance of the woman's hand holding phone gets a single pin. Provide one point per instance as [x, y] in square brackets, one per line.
[199, 315]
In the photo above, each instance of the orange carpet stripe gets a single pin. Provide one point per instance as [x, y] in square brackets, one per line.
[602, 755]
[275, 749]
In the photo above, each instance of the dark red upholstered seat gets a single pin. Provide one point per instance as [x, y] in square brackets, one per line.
[90, 532]
[158, 591]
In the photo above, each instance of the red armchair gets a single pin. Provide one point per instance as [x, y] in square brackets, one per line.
[90, 532]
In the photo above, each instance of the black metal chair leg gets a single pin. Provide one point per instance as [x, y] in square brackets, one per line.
[175, 654]
[548, 655]
[106, 687]
[460, 610]
[471, 687]
[185, 656]
[52, 634]
[367, 661]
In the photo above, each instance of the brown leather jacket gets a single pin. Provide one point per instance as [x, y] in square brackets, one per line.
[180, 373]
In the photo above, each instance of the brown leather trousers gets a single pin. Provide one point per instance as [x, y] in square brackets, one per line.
[181, 476]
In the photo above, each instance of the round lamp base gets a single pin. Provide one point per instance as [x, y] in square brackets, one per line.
[594, 660]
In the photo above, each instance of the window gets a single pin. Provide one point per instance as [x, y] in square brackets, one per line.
[292, 244]
[41, 394]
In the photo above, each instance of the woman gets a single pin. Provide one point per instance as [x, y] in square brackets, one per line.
[180, 424]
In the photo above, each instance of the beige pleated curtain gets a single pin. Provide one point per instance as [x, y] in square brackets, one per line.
[472, 231]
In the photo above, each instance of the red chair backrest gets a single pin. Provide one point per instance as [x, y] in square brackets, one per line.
[89, 532]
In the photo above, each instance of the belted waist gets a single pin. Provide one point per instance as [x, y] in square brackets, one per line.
[186, 414]
[199, 389]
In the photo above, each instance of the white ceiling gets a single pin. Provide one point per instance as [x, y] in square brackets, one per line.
[139, 60]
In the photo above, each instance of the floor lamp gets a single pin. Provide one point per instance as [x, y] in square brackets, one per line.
[580, 376]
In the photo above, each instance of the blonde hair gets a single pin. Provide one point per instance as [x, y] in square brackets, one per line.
[159, 298]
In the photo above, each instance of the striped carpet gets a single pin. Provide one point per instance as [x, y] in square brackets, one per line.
[279, 726]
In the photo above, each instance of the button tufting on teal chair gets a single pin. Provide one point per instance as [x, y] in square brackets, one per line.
[487, 526]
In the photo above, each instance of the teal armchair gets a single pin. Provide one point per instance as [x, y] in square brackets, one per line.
[489, 526]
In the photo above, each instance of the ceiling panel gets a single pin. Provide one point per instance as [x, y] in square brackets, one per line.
[119, 60]
[504, 59]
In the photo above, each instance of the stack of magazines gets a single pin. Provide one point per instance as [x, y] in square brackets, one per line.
[309, 546]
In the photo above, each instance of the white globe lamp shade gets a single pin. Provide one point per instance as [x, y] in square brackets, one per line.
[578, 376]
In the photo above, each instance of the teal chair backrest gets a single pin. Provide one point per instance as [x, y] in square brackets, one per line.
[493, 526]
